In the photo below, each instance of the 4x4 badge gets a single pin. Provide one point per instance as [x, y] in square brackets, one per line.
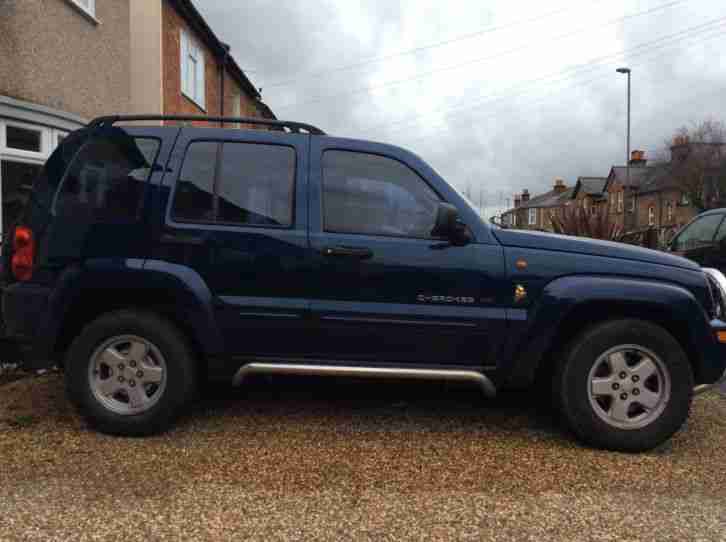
[423, 298]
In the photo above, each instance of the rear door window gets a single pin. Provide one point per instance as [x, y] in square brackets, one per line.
[107, 178]
[230, 183]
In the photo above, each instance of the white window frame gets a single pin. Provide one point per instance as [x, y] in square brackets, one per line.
[669, 211]
[532, 216]
[620, 202]
[631, 208]
[191, 56]
[46, 141]
[651, 216]
[684, 199]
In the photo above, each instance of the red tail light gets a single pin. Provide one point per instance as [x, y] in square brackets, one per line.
[23, 253]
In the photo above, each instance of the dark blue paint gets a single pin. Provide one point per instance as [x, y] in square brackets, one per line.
[260, 292]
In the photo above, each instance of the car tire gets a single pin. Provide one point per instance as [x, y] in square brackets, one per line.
[130, 373]
[624, 385]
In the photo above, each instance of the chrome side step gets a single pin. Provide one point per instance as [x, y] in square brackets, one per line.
[458, 375]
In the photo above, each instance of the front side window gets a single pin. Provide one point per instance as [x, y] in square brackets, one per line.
[107, 178]
[699, 233]
[192, 69]
[374, 195]
[246, 184]
[532, 217]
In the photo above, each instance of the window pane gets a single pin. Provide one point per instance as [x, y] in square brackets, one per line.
[17, 180]
[369, 194]
[699, 233]
[193, 199]
[23, 139]
[107, 178]
[256, 184]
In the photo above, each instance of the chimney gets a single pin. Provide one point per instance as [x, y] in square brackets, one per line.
[517, 200]
[525, 195]
[637, 158]
[559, 186]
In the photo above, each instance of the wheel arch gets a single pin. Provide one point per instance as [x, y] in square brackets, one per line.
[572, 304]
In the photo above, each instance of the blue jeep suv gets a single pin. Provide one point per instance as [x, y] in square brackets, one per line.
[150, 258]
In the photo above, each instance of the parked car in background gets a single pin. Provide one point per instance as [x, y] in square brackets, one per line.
[703, 240]
[150, 258]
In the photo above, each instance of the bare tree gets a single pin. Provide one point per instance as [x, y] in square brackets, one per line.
[698, 162]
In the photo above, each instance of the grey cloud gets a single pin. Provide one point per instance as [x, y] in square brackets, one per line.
[553, 131]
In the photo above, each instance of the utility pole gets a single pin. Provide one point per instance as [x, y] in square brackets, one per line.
[627, 155]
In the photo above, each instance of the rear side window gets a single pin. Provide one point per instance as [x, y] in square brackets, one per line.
[246, 184]
[107, 178]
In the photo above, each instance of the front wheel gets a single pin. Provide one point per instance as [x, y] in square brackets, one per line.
[130, 373]
[624, 385]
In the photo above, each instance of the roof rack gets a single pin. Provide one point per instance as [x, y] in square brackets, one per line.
[294, 127]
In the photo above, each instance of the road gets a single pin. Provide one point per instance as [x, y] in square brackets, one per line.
[303, 459]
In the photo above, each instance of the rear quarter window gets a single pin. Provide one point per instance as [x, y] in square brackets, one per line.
[107, 178]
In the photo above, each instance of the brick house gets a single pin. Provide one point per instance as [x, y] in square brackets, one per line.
[652, 198]
[64, 62]
[589, 194]
[194, 72]
[533, 213]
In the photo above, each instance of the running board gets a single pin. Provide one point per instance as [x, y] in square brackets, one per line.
[457, 375]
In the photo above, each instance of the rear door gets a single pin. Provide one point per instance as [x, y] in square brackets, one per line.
[384, 289]
[236, 215]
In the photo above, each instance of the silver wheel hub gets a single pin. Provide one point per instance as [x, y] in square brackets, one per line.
[629, 387]
[127, 374]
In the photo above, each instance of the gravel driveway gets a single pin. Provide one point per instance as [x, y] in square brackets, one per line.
[340, 460]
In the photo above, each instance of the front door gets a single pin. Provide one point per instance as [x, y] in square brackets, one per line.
[385, 290]
[237, 216]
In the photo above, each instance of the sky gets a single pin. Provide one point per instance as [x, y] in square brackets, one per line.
[497, 96]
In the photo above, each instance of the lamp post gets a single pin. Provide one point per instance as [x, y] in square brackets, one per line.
[627, 156]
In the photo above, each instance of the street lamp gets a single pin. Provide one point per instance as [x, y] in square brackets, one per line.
[627, 156]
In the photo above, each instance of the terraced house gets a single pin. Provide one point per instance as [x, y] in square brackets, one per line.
[63, 62]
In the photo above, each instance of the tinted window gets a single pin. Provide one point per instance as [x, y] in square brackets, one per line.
[253, 185]
[194, 196]
[107, 178]
[370, 194]
[256, 184]
[698, 234]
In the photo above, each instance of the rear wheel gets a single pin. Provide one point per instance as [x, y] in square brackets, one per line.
[624, 385]
[130, 373]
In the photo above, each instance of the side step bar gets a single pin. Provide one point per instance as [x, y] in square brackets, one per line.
[458, 375]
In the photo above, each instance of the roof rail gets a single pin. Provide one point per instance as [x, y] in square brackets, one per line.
[294, 127]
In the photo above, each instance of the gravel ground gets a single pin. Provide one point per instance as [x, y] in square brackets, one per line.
[338, 460]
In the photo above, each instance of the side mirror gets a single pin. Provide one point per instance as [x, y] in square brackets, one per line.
[449, 226]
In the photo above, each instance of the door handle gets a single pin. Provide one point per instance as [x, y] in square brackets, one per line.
[181, 239]
[361, 253]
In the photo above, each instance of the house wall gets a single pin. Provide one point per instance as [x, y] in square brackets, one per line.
[146, 57]
[55, 56]
[174, 101]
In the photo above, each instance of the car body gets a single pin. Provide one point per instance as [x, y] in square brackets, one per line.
[185, 253]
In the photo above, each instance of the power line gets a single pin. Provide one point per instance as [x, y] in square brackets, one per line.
[367, 90]
[415, 50]
[448, 128]
[592, 65]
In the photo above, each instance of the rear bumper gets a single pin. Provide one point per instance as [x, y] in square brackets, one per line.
[24, 307]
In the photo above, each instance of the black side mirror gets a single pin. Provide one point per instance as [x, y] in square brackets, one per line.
[448, 225]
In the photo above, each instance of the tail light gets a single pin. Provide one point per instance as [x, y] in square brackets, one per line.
[23, 253]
